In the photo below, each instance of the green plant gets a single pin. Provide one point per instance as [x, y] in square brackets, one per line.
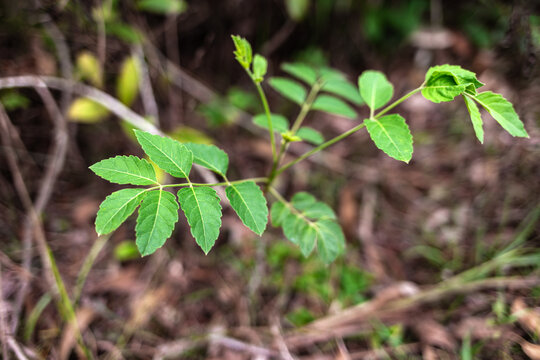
[306, 221]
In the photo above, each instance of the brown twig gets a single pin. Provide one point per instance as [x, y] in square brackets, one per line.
[147, 93]
[3, 325]
[54, 165]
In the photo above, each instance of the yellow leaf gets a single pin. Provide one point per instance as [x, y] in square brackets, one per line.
[127, 86]
[88, 68]
[84, 110]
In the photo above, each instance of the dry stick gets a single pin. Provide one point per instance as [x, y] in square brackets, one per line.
[348, 321]
[145, 87]
[3, 325]
[55, 163]
[98, 96]
[238, 345]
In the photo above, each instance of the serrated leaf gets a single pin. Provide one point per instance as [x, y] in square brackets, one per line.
[343, 88]
[167, 153]
[289, 89]
[375, 89]
[442, 88]
[310, 135]
[209, 156]
[392, 135]
[203, 212]
[126, 170]
[280, 123]
[476, 119]
[116, 208]
[311, 207]
[502, 111]
[88, 68]
[460, 76]
[165, 7]
[127, 85]
[87, 111]
[157, 216]
[260, 66]
[331, 241]
[333, 105]
[243, 52]
[278, 212]
[249, 203]
[301, 71]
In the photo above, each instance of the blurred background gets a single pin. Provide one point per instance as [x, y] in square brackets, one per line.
[442, 257]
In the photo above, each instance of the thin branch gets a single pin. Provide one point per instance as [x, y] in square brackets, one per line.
[3, 325]
[238, 345]
[92, 93]
[147, 93]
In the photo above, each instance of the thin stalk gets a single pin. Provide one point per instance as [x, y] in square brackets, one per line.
[344, 135]
[87, 266]
[224, 183]
[268, 117]
[319, 148]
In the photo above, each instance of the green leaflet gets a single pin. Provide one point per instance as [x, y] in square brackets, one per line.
[279, 122]
[502, 111]
[442, 88]
[243, 52]
[116, 208]
[289, 89]
[310, 223]
[391, 134]
[157, 216]
[249, 203]
[260, 66]
[476, 119]
[460, 76]
[445, 82]
[333, 105]
[126, 170]
[375, 89]
[203, 212]
[209, 156]
[343, 88]
[278, 213]
[310, 135]
[301, 71]
[168, 154]
[310, 207]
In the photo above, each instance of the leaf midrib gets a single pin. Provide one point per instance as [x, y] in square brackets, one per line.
[155, 220]
[248, 209]
[492, 111]
[128, 173]
[123, 206]
[388, 136]
[168, 157]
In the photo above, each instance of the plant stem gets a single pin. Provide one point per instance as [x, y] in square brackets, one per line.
[398, 101]
[342, 136]
[268, 117]
[224, 183]
[319, 148]
[306, 106]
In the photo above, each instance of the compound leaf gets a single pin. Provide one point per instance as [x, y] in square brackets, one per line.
[310, 135]
[375, 89]
[116, 208]
[289, 89]
[392, 135]
[168, 154]
[343, 88]
[460, 76]
[333, 105]
[301, 232]
[203, 212]
[209, 156]
[502, 111]
[279, 122]
[126, 170]
[248, 201]
[157, 216]
[301, 71]
[476, 119]
[243, 52]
